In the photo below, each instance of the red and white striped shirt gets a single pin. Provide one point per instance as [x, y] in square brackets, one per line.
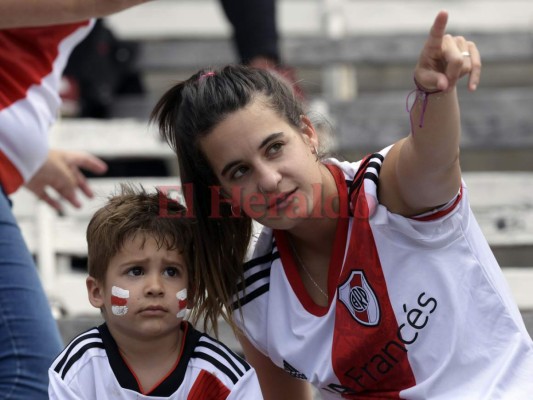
[32, 61]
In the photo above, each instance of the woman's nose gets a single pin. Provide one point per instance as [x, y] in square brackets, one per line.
[268, 180]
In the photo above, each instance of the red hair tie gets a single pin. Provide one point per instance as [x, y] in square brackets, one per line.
[205, 75]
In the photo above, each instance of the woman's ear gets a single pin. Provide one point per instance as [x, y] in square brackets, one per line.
[309, 133]
[95, 292]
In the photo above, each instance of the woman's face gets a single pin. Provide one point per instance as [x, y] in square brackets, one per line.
[266, 166]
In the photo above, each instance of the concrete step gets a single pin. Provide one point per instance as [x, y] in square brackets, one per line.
[166, 19]
[374, 63]
[492, 119]
[380, 38]
[313, 51]
[497, 124]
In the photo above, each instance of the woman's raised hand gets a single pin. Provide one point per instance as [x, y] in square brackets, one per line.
[445, 59]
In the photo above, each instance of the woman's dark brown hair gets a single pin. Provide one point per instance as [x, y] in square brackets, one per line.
[188, 112]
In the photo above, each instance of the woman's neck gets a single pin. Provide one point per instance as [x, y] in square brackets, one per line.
[319, 229]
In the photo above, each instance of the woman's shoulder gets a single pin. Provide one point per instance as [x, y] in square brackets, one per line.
[351, 168]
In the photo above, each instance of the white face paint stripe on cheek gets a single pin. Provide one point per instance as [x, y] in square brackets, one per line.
[119, 299]
[182, 303]
[119, 292]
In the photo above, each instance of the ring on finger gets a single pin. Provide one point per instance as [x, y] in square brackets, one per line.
[465, 53]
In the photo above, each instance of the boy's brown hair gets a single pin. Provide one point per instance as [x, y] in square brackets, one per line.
[134, 211]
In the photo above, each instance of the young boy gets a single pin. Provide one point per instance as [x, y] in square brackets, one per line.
[140, 254]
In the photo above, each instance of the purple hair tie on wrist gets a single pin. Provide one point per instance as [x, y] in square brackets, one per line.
[421, 93]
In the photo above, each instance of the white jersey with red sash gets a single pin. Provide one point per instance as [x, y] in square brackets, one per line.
[419, 308]
[32, 61]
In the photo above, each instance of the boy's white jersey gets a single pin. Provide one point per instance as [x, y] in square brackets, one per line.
[419, 308]
[91, 368]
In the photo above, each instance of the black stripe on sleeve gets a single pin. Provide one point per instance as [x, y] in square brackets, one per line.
[373, 177]
[368, 162]
[217, 364]
[251, 296]
[230, 358]
[259, 260]
[75, 357]
[71, 347]
[264, 273]
[374, 164]
[379, 156]
[241, 360]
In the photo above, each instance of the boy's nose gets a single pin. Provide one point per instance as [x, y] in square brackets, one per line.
[154, 286]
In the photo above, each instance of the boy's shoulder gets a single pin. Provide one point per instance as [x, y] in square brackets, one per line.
[78, 352]
[216, 358]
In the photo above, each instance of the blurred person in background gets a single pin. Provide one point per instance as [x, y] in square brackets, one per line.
[36, 39]
[104, 67]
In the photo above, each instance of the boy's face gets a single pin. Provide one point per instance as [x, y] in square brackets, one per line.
[144, 294]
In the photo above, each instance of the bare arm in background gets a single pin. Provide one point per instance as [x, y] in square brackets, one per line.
[61, 174]
[25, 13]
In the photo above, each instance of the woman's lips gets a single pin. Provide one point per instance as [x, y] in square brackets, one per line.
[281, 201]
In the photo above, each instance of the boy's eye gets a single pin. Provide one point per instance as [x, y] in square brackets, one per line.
[172, 271]
[135, 271]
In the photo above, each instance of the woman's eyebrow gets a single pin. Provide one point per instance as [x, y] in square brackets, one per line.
[269, 138]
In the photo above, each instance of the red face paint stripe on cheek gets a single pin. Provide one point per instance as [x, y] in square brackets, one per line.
[182, 304]
[118, 301]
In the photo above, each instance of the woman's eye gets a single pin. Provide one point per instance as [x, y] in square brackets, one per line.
[172, 271]
[237, 173]
[135, 271]
[275, 148]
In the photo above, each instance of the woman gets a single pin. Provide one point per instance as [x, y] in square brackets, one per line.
[369, 279]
